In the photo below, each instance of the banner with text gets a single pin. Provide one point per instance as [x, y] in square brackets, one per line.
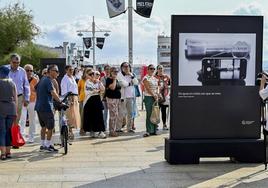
[144, 7]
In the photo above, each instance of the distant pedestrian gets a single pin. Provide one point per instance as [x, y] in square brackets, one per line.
[8, 112]
[104, 101]
[113, 96]
[44, 107]
[68, 84]
[19, 77]
[128, 81]
[163, 83]
[81, 92]
[93, 116]
[150, 96]
[30, 108]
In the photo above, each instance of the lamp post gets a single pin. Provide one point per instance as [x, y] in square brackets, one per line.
[93, 33]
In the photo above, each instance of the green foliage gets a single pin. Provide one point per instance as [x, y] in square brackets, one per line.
[30, 54]
[16, 28]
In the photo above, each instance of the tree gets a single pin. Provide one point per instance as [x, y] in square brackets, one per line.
[16, 28]
[30, 54]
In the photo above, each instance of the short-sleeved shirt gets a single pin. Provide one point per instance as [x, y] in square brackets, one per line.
[7, 98]
[112, 94]
[153, 85]
[44, 101]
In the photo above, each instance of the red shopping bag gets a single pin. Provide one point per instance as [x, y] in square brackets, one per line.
[17, 138]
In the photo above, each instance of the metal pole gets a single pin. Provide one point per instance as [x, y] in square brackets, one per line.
[130, 33]
[93, 42]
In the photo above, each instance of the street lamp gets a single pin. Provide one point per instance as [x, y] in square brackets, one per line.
[93, 32]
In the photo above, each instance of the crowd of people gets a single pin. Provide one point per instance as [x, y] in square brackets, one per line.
[102, 102]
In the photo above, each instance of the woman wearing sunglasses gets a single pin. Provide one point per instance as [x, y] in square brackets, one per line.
[150, 83]
[93, 118]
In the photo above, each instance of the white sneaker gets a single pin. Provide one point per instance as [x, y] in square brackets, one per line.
[92, 134]
[30, 140]
[102, 135]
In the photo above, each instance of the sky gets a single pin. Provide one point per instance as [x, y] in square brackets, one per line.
[60, 19]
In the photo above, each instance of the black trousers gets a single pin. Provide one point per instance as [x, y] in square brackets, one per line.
[163, 109]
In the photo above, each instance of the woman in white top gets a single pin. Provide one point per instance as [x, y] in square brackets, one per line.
[93, 118]
[127, 81]
[150, 96]
[68, 84]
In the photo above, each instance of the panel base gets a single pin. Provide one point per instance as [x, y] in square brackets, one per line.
[190, 151]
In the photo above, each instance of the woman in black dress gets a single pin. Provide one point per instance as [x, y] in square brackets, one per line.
[93, 117]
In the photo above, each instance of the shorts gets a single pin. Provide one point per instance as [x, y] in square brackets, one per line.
[46, 119]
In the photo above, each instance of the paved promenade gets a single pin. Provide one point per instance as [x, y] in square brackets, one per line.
[126, 161]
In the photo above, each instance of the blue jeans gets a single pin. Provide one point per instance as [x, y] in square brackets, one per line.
[5, 130]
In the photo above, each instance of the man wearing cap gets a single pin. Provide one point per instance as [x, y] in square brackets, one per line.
[19, 77]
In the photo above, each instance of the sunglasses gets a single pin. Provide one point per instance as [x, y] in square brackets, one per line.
[91, 74]
[97, 74]
[55, 70]
[15, 62]
[29, 70]
[151, 68]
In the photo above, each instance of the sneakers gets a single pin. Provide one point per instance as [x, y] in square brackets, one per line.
[165, 128]
[48, 149]
[102, 135]
[131, 131]
[52, 149]
[92, 134]
[30, 140]
[42, 148]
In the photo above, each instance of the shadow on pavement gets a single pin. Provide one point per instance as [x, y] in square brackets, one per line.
[163, 175]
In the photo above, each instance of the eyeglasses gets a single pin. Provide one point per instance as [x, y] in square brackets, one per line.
[29, 70]
[15, 62]
[160, 68]
[151, 68]
[125, 66]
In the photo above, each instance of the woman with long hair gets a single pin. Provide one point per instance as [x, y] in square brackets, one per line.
[163, 83]
[128, 81]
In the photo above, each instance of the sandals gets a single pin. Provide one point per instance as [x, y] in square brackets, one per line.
[3, 157]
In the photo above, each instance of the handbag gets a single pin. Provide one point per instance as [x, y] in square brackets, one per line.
[17, 138]
[155, 116]
[137, 91]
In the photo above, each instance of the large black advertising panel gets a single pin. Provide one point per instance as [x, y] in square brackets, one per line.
[215, 60]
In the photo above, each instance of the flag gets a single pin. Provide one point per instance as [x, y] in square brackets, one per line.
[144, 7]
[115, 7]
[100, 42]
[87, 42]
[87, 53]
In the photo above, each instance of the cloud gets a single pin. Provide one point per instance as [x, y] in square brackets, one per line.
[253, 8]
[256, 8]
[115, 49]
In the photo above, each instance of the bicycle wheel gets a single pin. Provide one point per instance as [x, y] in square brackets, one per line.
[64, 140]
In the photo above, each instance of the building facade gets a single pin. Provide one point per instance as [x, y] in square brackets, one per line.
[164, 52]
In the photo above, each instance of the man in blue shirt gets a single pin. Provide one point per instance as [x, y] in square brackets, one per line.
[19, 77]
[44, 107]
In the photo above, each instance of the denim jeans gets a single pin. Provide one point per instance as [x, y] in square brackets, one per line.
[5, 130]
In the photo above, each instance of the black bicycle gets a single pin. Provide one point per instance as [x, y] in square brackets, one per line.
[62, 107]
